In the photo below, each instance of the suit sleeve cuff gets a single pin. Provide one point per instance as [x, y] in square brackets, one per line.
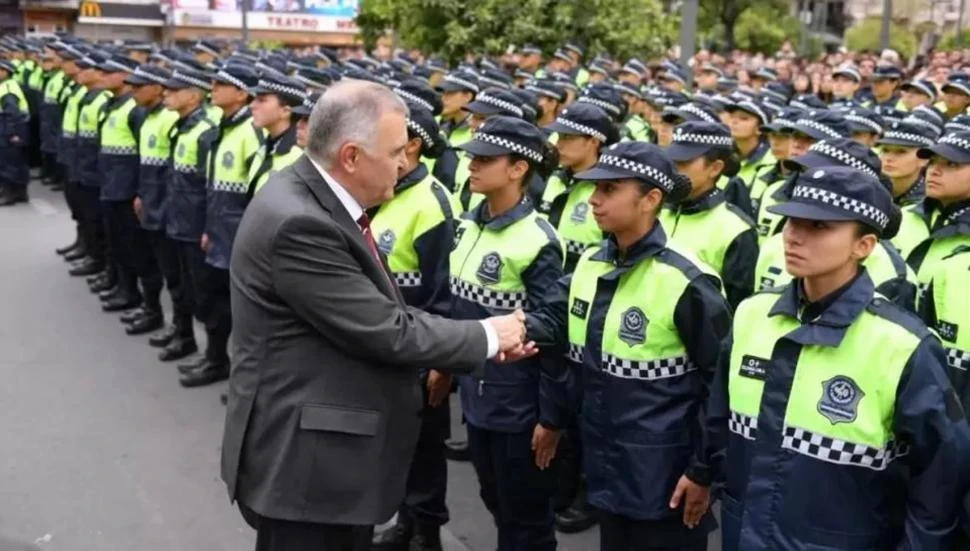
[492, 338]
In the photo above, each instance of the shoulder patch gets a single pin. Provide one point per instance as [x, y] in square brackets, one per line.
[441, 195]
[685, 264]
[882, 307]
[745, 217]
[547, 229]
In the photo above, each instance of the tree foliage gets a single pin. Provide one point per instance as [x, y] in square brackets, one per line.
[865, 36]
[456, 27]
[763, 29]
[725, 16]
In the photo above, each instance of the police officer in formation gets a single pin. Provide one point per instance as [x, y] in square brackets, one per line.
[637, 405]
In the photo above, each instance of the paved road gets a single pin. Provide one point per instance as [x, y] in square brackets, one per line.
[102, 449]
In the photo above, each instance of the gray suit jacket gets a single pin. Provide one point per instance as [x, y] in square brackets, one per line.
[324, 396]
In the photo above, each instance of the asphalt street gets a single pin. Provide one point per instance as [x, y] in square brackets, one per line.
[102, 449]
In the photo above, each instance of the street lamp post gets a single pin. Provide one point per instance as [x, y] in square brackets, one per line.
[688, 36]
[887, 14]
[245, 23]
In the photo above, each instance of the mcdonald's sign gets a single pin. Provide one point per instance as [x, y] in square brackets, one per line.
[89, 8]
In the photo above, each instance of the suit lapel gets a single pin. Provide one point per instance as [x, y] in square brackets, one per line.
[328, 200]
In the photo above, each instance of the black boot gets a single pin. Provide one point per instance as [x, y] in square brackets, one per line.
[120, 302]
[66, 249]
[206, 374]
[110, 293]
[102, 286]
[88, 267]
[426, 538]
[578, 517]
[132, 315]
[150, 320]
[161, 340]
[13, 197]
[456, 450]
[78, 253]
[185, 369]
[395, 538]
[178, 348]
[98, 277]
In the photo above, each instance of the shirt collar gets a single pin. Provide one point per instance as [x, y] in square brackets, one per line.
[411, 178]
[757, 153]
[237, 117]
[914, 194]
[350, 204]
[712, 198]
[282, 144]
[481, 216]
[838, 310]
[118, 100]
[647, 246]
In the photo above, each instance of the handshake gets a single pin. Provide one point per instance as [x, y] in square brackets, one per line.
[511, 333]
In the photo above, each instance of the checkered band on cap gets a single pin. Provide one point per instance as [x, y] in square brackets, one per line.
[140, 73]
[575, 353]
[872, 125]
[777, 95]
[955, 141]
[842, 157]
[922, 122]
[609, 107]
[658, 177]
[841, 452]
[202, 47]
[878, 218]
[309, 81]
[542, 91]
[458, 80]
[743, 425]
[626, 88]
[704, 139]
[407, 279]
[420, 131]
[489, 298]
[955, 126]
[908, 137]
[650, 370]
[509, 144]
[191, 80]
[586, 130]
[115, 66]
[232, 80]
[923, 88]
[282, 89]
[824, 129]
[492, 100]
[697, 112]
[414, 98]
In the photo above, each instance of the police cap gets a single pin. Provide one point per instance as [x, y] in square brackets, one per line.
[586, 119]
[503, 135]
[908, 134]
[148, 74]
[953, 147]
[419, 93]
[496, 101]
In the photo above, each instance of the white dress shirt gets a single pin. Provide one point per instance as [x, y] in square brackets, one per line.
[355, 211]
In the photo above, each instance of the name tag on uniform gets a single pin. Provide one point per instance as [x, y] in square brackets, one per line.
[580, 308]
[947, 330]
[753, 367]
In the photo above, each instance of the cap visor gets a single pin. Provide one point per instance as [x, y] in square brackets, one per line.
[563, 129]
[885, 77]
[808, 161]
[856, 127]
[174, 84]
[603, 173]
[946, 151]
[301, 111]
[810, 132]
[260, 90]
[806, 211]
[482, 108]
[450, 87]
[138, 81]
[679, 153]
[224, 80]
[482, 149]
[899, 142]
[672, 118]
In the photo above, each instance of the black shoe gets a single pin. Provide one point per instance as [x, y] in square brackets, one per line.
[456, 450]
[185, 369]
[106, 284]
[428, 539]
[79, 253]
[119, 303]
[151, 321]
[12, 198]
[96, 278]
[68, 248]
[178, 349]
[161, 340]
[395, 538]
[575, 520]
[57, 187]
[133, 315]
[206, 374]
[109, 293]
[90, 267]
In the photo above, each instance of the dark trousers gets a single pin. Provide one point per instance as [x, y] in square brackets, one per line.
[514, 490]
[286, 535]
[218, 321]
[14, 172]
[92, 222]
[191, 261]
[49, 167]
[130, 251]
[165, 252]
[427, 485]
[620, 533]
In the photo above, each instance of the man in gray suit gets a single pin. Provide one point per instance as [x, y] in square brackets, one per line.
[324, 395]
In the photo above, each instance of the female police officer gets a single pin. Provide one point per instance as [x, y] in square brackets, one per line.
[645, 321]
[843, 430]
[504, 259]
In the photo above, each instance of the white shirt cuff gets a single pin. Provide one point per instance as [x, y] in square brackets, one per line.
[492, 337]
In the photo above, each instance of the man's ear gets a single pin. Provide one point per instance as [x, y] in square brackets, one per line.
[347, 157]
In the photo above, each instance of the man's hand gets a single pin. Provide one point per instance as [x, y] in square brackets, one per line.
[510, 330]
[526, 350]
[204, 242]
[696, 500]
[139, 208]
[544, 443]
[439, 385]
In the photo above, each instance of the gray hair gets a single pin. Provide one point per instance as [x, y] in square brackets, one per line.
[348, 111]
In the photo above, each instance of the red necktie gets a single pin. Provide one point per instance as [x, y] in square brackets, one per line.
[364, 223]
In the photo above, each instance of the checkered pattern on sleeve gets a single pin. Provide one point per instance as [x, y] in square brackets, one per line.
[955, 141]
[119, 150]
[651, 370]
[908, 137]
[843, 158]
[466, 83]
[509, 144]
[703, 139]
[840, 452]
[958, 359]
[494, 101]
[871, 213]
[824, 129]
[607, 106]
[489, 298]
[230, 187]
[153, 161]
[743, 425]
[586, 130]
[870, 124]
[575, 353]
[414, 98]
[407, 279]
[184, 168]
[282, 89]
[575, 247]
[658, 177]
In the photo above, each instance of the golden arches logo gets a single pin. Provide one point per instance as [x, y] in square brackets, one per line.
[90, 9]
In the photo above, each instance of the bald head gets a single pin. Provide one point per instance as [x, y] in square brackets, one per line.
[350, 111]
